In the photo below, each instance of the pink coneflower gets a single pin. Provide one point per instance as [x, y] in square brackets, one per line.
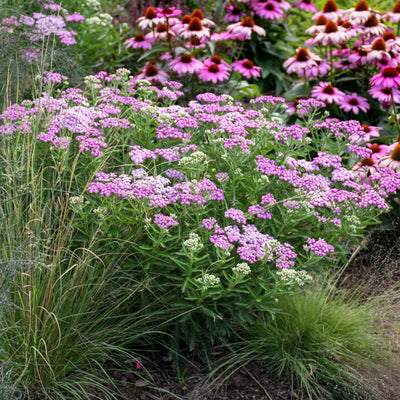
[306, 5]
[378, 150]
[326, 92]
[149, 20]
[365, 134]
[319, 25]
[358, 56]
[169, 12]
[217, 60]
[282, 4]
[384, 96]
[214, 73]
[360, 13]
[247, 68]
[393, 159]
[376, 50]
[392, 41]
[386, 62]
[394, 15]
[220, 36]
[372, 27]
[351, 31]
[269, 10]
[234, 13]
[139, 42]
[194, 29]
[181, 24]
[332, 34]
[344, 65]
[152, 73]
[388, 78]
[366, 163]
[197, 43]
[162, 32]
[205, 21]
[299, 63]
[330, 11]
[354, 103]
[320, 70]
[186, 63]
[246, 28]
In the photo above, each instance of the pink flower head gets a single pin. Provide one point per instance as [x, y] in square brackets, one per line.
[360, 13]
[394, 15]
[384, 95]
[246, 28]
[139, 42]
[365, 134]
[197, 13]
[319, 25]
[217, 60]
[299, 63]
[330, 11]
[393, 159]
[305, 5]
[354, 103]
[169, 12]
[233, 13]
[194, 29]
[152, 73]
[186, 63]
[326, 92]
[332, 34]
[247, 68]
[373, 27]
[388, 78]
[268, 10]
[162, 32]
[378, 150]
[214, 73]
[282, 4]
[149, 20]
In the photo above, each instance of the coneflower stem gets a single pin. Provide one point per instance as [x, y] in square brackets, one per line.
[331, 62]
[240, 51]
[395, 115]
[306, 84]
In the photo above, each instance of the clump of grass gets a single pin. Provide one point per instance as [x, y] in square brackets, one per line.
[328, 341]
[65, 307]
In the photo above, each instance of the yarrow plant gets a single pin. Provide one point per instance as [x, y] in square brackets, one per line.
[218, 206]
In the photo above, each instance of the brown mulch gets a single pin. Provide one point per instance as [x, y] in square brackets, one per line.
[247, 383]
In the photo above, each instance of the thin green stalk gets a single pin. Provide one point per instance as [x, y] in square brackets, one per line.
[395, 114]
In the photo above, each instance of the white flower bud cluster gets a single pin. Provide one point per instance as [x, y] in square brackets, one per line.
[93, 3]
[242, 269]
[290, 275]
[197, 158]
[194, 243]
[92, 82]
[208, 281]
[124, 74]
[353, 221]
[101, 212]
[101, 19]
